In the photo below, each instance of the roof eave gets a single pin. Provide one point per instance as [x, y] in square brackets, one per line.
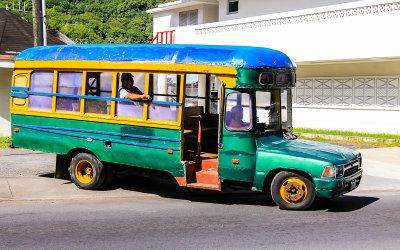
[178, 5]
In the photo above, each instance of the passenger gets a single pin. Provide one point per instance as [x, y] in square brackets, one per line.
[237, 118]
[129, 91]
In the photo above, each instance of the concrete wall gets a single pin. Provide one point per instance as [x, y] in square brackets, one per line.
[341, 32]
[250, 8]
[5, 83]
[328, 39]
[373, 119]
[164, 21]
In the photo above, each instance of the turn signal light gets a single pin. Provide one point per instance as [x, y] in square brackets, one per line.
[170, 151]
[235, 161]
[16, 130]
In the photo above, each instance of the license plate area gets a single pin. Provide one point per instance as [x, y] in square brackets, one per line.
[353, 184]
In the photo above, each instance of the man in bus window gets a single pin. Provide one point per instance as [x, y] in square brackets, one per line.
[236, 122]
[129, 91]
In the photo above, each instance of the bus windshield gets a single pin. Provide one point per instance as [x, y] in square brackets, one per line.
[273, 108]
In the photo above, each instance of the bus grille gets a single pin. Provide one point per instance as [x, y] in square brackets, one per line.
[352, 167]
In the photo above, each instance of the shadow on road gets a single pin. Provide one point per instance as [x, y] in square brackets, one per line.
[168, 188]
[344, 203]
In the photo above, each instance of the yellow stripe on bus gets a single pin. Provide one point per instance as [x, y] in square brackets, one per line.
[131, 66]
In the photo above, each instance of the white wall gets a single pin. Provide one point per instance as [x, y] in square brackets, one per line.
[164, 21]
[5, 83]
[370, 121]
[249, 8]
[210, 13]
[335, 36]
[314, 35]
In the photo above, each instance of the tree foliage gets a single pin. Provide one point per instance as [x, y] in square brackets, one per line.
[97, 21]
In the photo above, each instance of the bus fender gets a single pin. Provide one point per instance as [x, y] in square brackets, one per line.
[61, 171]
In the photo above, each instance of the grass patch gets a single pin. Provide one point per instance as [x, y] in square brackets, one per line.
[354, 142]
[5, 142]
[346, 133]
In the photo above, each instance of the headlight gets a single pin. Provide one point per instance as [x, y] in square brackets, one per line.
[329, 172]
[333, 172]
[339, 171]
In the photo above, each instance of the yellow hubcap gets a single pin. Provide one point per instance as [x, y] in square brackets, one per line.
[84, 171]
[293, 190]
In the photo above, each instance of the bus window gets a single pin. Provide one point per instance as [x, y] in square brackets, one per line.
[164, 88]
[41, 81]
[268, 110]
[214, 95]
[69, 83]
[98, 84]
[130, 108]
[196, 90]
[238, 112]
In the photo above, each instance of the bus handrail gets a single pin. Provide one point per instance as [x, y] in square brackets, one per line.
[13, 94]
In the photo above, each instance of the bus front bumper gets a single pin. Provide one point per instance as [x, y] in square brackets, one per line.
[331, 188]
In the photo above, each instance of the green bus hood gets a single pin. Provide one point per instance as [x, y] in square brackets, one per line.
[306, 149]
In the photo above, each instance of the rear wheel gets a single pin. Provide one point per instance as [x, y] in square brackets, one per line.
[292, 191]
[86, 171]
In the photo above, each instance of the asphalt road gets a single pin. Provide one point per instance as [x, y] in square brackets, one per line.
[205, 220]
[166, 216]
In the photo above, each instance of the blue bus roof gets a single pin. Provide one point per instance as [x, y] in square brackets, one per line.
[220, 55]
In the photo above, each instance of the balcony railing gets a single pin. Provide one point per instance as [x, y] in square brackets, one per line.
[163, 37]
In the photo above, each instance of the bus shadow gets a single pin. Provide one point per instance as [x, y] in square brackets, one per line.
[168, 188]
[344, 203]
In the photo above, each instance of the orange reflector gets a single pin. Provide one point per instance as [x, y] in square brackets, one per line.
[235, 161]
[326, 172]
[170, 151]
[16, 130]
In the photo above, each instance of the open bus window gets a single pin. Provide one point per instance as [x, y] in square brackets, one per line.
[196, 86]
[268, 110]
[69, 83]
[164, 88]
[214, 94]
[132, 85]
[98, 84]
[238, 112]
[41, 81]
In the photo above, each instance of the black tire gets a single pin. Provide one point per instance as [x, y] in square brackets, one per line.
[86, 171]
[292, 191]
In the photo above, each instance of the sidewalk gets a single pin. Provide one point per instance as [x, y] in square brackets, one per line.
[381, 174]
[381, 170]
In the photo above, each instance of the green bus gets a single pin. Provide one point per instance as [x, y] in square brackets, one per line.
[210, 116]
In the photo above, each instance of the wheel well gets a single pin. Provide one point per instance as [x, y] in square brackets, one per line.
[76, 151]
[270, 176]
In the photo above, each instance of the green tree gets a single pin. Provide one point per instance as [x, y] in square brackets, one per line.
[98, 21]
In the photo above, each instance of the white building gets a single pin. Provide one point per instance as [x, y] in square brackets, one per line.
[347, 52]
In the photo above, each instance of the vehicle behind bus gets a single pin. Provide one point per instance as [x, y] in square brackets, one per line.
[219, 116]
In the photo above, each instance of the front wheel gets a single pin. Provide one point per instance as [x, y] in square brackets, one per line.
[86, 171]
[292, 191]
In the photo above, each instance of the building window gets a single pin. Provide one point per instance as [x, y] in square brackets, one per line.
[187, 18]
[233, 7]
